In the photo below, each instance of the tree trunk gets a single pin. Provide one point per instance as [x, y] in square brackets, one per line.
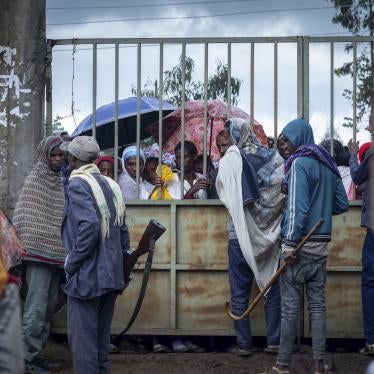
[22, 82]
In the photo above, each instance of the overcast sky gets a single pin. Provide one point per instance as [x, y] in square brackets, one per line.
[208, 18]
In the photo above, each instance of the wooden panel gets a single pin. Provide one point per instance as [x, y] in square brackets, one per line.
[155, 310]
[343, 306]
[196, 275]
[201, 298]
[347, 239]
[137, 219]
[201, 235]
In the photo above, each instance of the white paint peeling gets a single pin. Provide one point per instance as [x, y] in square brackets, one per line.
[12, 85]
[3, 119]
[16, 112]
[8, 53]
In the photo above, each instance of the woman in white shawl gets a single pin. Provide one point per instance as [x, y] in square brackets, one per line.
[127, 180]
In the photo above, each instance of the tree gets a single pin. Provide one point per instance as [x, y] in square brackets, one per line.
[357, 16]
[194, 90]
[57, 125]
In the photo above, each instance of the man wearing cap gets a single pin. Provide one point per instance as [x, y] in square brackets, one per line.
[96, 238]
[360, 175]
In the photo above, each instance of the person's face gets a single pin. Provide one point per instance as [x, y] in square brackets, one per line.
[150, 168]
[285, 147]
[66, 137]
[130, 165]
[55, 159]
[189, 160]
[106, 169]
[199, 167]
[223, 144]
[73, 162]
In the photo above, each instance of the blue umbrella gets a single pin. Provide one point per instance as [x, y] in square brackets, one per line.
[127, 110]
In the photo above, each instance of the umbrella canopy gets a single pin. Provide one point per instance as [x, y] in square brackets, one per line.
[194, 126]
[127, 111]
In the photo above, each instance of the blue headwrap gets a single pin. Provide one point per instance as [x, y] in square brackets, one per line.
[131, 152]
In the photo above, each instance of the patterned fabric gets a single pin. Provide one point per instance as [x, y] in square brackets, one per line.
[194, 125]
[312, 151]
[86, 173]
[12, 247]
[267, 166]
[152, 151]
[39, 209]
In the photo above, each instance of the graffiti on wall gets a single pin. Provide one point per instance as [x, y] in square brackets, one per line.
[12, 85]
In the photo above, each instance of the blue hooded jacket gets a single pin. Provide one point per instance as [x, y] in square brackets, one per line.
[314, 191]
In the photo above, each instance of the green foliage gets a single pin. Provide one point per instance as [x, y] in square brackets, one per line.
[56, 125]
[194, 90]
[357, 16]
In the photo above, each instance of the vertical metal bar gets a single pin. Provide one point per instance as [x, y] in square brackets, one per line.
[138, 89]
[116, 83]
[94, 88]
[173, 262]
[300, 88]
[332, 98]
[306, 77]
[48, 92]
[275, 91]
[228, 80]
[354, 100]
[160, 96]
[252, 102]
[205, 110]
[182, 115]
[354, 91]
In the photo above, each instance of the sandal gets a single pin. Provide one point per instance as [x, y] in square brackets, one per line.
[272, 349]
[368, 350]
[275, 370]
[325, 370]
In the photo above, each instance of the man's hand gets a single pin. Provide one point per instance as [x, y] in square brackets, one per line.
[288, 254]
[201, 183]
[353, 147]
[289, 257]
[156, 181]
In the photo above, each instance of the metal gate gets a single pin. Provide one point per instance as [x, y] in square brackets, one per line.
[189, 284]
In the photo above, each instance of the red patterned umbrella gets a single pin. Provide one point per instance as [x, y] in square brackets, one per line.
[194, 126]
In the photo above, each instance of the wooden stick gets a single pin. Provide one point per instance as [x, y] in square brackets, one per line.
[273, 279]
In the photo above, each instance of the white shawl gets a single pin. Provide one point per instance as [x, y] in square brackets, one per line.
[260, 247]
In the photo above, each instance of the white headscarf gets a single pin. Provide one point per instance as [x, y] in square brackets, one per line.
[128, 183]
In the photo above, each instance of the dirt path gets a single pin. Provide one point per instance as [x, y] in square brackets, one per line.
[209, 363]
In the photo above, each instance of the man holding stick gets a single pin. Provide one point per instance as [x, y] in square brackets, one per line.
[314, 190]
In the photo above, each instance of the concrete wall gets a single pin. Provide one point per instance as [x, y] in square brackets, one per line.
[22, 78]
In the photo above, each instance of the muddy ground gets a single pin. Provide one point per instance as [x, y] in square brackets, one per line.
[209, 363]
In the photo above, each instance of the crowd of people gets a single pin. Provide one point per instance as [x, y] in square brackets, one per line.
[70, 216]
